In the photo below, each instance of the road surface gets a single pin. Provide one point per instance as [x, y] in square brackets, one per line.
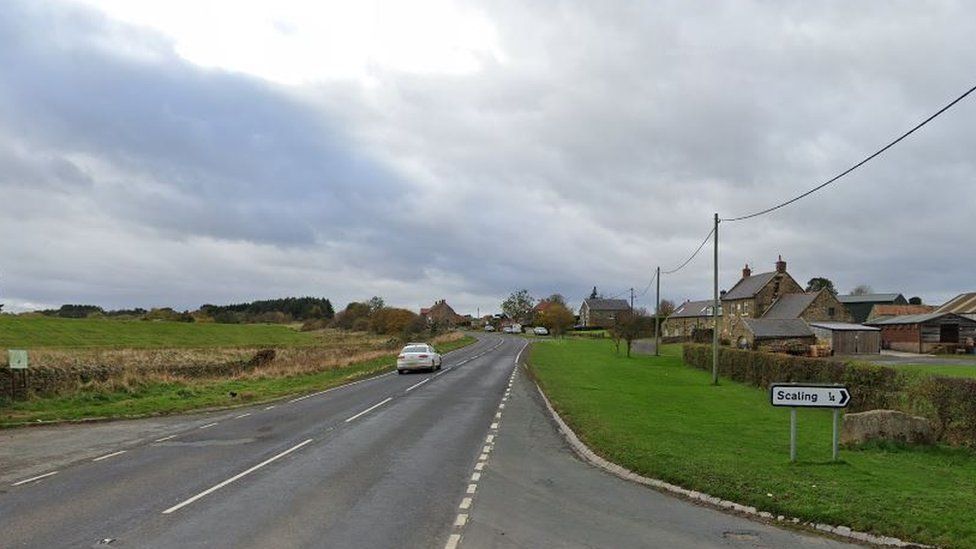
[465, 456]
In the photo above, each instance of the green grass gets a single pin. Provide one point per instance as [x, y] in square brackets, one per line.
[170, 398]
[961, 370]
[663, 419]
[30, 333]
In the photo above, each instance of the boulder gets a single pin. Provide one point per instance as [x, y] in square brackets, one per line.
[890, 425]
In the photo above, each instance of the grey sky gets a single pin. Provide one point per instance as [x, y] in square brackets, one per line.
[578, 145]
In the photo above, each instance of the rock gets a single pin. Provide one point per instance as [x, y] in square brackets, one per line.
[890, 425]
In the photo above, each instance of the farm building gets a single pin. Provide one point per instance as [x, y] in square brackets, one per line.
[962, 304]
[883, 311]
[845, 338]
[859, 306]
[759, 333]
[688, 317]
[927, 333]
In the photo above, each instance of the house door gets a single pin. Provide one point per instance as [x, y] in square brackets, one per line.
[949, 333]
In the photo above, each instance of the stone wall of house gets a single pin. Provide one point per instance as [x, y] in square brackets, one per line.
[782, 283]
[683, 327]
[602, 319]
[823, 305]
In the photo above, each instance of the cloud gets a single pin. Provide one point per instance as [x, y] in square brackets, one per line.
[575, 144]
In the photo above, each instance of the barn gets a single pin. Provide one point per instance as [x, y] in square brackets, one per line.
[927, 333]
[845, 338]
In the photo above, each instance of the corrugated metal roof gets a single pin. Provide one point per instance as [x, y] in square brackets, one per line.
[962, 303]
[885, 310]
[749, 286]
[913, 319]
[843, 326]
[869, 298]
[692, 309]
[790, 305]
[765, 328]
[607, 304]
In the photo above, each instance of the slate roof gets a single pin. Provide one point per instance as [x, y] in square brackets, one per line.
[749, 286]
[913, 319]
[766, 328]
[869, 298]
[692, 309]
[790, 305]
[607, 304]
[843, 326]
[962, 303]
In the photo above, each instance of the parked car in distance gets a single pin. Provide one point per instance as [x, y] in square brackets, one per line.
[489, 328]
[418, 356]
[507, 329]
[540, 331]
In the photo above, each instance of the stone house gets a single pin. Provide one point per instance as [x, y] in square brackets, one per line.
[753, 294]
[601, 313]
[688, 317]
[441, 314]
[820, 305]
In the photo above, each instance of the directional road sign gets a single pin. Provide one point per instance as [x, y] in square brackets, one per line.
[809, 396]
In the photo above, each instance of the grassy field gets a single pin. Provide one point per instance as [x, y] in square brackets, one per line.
[31, 333]
[663, 419]
[157, 398]
[961, 370]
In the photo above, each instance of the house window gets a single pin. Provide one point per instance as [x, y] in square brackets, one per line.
[831, 312]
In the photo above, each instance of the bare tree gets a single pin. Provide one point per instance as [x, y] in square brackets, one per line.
[862, 289]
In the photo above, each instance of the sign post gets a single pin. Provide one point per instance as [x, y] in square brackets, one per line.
[17, 362]
[794, 395]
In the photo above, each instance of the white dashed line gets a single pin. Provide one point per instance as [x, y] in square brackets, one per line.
[164, 439]
[475, 477]
[415, 385]
[243, 415]
[465, 503]
[472, 488]
[32, 479]
[452, 542]
[370, 409]
[461, 519]
[272, 407]
[234, 478]
[494, 425]
[207, 426]
[489, 438]
[106, 456]
[479, 466]
[483, 457]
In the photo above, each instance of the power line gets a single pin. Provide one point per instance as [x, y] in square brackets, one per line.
[859, 164]
[687, 261]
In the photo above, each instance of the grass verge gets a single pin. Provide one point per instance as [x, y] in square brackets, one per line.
[961, 370]
[184, 395]
[663, 419]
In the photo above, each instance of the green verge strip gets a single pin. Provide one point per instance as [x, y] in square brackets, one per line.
[170, 398]
[663, 420]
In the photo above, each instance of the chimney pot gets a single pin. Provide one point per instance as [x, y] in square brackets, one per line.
[780, 265]
[746, 271]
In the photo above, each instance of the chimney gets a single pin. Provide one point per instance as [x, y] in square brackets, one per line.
[722, 294]
[746, 272]
[780, 265]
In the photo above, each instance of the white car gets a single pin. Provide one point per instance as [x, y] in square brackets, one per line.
[489, 328]
[418, 356]
[540, 331]
[507, 329]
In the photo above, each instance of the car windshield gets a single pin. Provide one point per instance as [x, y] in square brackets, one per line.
[415, 349]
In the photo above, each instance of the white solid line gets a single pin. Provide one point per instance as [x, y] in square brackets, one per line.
[243, 415]
[472, 488]
[465, 503]
[164, 439]
[475, 477]
[370, 409]
[452, 542]
[461, 519]
[415, 385]
[106, 456]
[238, 476]
[207, 426]
[32, 479]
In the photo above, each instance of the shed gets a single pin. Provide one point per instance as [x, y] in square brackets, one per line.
[859, 306]
[764, 332]
[927, 333]
[845, 338]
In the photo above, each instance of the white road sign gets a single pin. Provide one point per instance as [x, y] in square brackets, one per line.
[809, 396]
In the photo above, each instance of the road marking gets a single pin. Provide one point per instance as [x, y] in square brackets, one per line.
[370, 409]
[472, 488]
[234, 478]
[475, 477]
[461, 519]
[486, 450]
[415, 385]
[164, 439]
[300, 398]
[465, 503]
[243, 415]
[32, 479]
[483, 457]
[479, 466]
[494, 425]
[501, 406]
[207, 426]
[452, 542]
[489, 438]
[498, 415]
[271, 407]
[106, 456]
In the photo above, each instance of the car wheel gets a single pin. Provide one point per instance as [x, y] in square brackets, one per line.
[401, 372]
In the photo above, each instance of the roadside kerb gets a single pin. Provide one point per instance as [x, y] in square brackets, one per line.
[591, 457]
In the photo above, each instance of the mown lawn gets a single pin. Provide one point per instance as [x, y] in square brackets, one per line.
[175, 397]
[961, 370]
[31, 332]
[663, 419]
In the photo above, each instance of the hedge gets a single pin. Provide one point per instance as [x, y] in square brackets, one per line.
[948, 402]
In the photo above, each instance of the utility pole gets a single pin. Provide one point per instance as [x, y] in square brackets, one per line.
[657, 315]
[715, 307]
[631, 301]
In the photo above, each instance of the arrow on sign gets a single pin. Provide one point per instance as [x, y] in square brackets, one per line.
[844, 396]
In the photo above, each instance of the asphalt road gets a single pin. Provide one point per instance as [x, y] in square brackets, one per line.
[394, 461]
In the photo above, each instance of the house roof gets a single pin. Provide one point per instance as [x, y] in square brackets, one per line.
[598, 304]
[692, 309]
[913, 319]
[843, 326]
[790, 305]
[869, 298]
[749, 286]
[962, 303]
[885, 310]
[767, 328]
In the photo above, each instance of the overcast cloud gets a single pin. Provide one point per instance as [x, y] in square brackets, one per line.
[157, 155]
